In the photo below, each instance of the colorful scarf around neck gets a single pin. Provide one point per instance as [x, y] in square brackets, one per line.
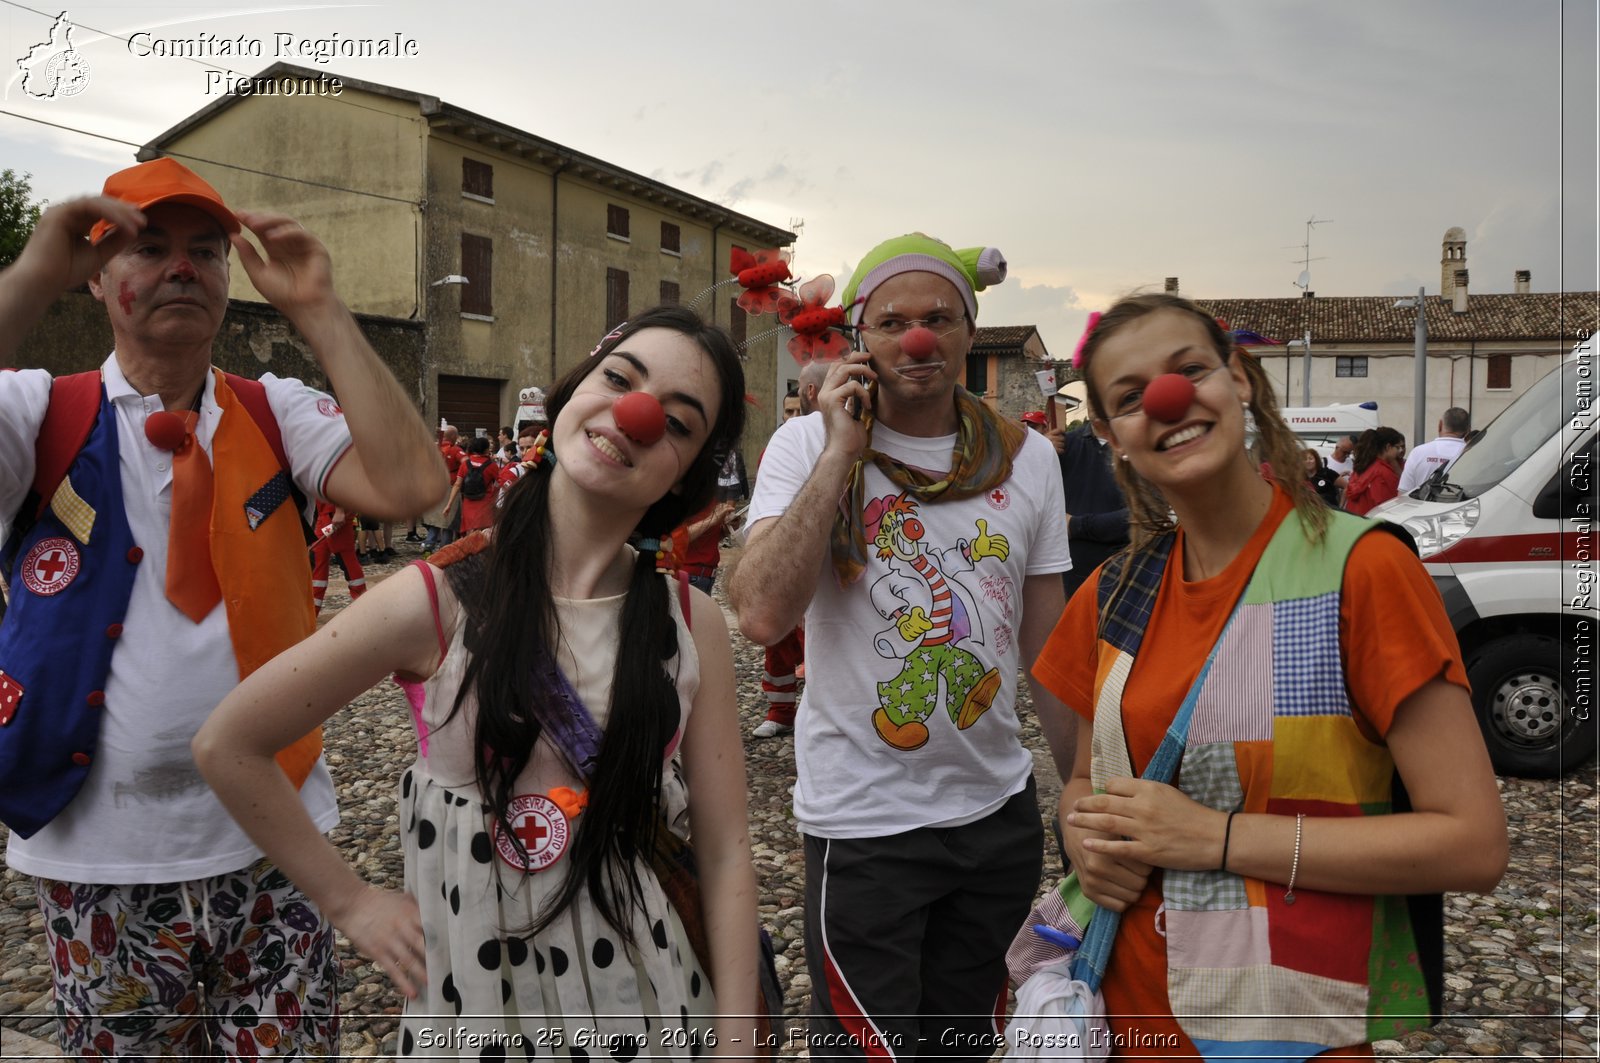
[985, 445]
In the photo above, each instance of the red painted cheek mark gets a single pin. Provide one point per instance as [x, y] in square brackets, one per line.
[125, 298]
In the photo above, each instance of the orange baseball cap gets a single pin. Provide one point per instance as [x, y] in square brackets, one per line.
[163, 181]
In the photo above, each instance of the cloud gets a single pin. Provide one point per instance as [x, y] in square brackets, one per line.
[778, 181]
[1052, 307]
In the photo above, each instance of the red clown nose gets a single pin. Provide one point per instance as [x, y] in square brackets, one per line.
[640, 417]
[1167, 397]
[165, 430]
[919, 342]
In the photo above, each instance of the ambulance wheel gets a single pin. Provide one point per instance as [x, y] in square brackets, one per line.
[1522, 695]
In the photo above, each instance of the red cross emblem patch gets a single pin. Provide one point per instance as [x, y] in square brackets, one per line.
[999, 498]
[540, 825]
[10, 698]
[50, 566]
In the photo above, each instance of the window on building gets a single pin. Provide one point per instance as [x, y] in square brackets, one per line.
[1347, 365]
[477, 178]
[1499, 372]
[616, 297]
[738, 323]
[616, 221]
[670, 237]
[977, 373]
[477, 265]
[669, 293]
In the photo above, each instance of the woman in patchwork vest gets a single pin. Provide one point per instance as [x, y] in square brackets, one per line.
[1275, 898]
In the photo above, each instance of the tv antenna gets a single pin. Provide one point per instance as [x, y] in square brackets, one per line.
[1303, 282]
[797, 226]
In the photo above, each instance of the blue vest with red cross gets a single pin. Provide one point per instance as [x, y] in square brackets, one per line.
[72, 576]
[71, 561]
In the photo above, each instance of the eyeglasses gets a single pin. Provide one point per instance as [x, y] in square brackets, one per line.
[1131, 401]
[941, 324]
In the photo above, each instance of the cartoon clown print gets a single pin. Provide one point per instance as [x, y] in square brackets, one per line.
[933, 619]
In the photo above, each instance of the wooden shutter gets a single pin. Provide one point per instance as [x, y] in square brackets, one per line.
[477, 265]
[616, 297]
[617, 220]
[477, 178]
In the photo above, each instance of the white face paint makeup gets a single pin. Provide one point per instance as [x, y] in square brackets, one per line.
[917, 332]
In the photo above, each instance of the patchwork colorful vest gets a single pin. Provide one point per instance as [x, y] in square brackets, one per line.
[1273, 733]
[72, 578]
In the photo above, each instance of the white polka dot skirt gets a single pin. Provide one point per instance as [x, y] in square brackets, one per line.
[574, 991]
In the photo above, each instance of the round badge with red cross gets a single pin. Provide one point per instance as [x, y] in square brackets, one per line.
[540, 825]
[51, 566]
[998, 498]
[329, 408]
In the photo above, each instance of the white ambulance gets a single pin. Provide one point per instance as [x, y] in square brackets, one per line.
[1507, 531]
[1320, 427]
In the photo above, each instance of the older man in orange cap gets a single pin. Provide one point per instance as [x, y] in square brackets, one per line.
[155, 556]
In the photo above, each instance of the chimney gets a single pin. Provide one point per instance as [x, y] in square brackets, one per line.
[1458, 296]
[1171, 285]
[1524, 278]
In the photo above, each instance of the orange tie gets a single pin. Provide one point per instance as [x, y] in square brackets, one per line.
[191, 581]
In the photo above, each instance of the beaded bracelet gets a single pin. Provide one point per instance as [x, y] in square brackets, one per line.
[1294, 869]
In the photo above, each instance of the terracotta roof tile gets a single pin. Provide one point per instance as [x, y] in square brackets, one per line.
[1375, 318]
[1004, 337]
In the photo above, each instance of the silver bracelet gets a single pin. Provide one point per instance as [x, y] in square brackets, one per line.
[1294, 869]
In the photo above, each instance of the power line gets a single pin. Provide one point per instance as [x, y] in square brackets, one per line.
[214, 162]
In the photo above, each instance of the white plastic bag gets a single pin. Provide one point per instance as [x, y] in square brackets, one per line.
[1058, 1017]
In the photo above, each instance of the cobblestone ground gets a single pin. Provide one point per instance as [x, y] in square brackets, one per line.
[1520, 963]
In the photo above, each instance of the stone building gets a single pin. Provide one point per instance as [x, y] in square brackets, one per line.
[1483, 348]
[1002, 366]
[514, 252]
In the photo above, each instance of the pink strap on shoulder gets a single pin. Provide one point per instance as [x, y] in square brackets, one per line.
[433, 602]
[683, 599]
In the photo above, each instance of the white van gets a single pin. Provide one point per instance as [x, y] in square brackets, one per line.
[1320, 427]
[1507, 531]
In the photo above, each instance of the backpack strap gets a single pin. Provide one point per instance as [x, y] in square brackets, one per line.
[74, 402]
[68, 420]
[253, 394]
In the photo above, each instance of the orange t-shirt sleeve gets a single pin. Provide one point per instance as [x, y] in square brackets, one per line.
[1394, 630]
[1066, 665]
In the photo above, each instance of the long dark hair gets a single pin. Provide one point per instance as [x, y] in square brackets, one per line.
[513, 635]
[1149, 516]
[1371, 445]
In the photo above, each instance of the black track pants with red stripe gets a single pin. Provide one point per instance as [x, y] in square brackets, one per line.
[906, 935]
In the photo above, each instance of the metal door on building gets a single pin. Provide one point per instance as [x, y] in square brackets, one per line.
[471, 403]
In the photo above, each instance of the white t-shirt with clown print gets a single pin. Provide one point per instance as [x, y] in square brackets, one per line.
[908, 718]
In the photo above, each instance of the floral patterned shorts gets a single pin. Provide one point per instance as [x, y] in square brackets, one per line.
[236, 966]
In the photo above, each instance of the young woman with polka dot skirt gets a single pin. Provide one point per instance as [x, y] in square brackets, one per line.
[572, 706]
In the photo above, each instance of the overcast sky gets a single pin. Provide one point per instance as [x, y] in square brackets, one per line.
[1102, 145]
